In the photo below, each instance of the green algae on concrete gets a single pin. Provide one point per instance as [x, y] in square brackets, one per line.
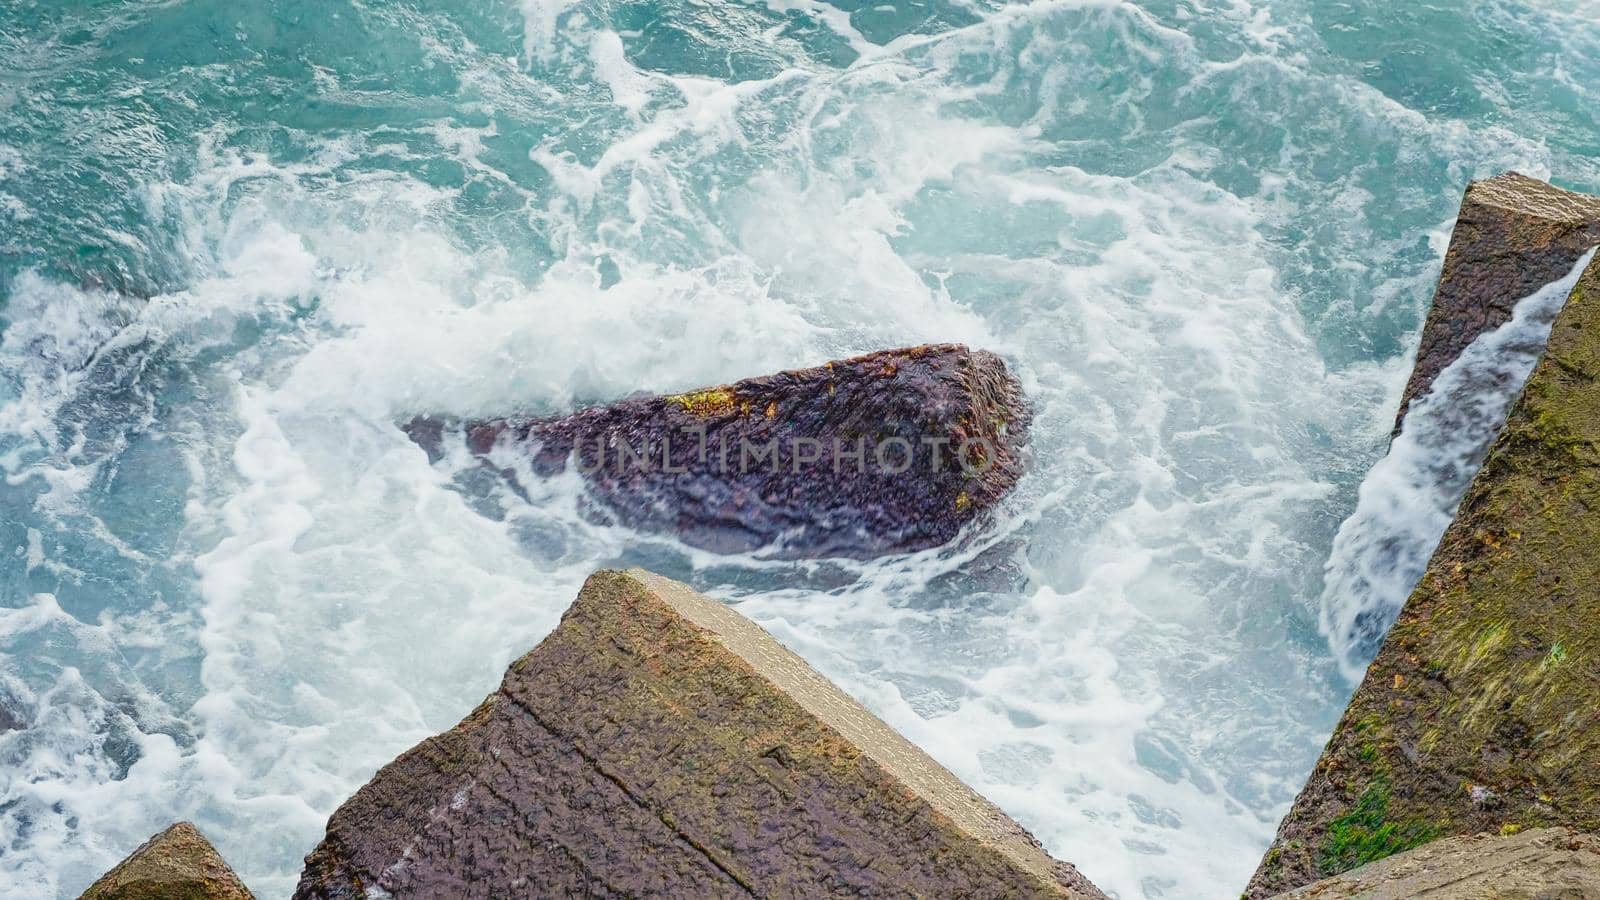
[1481, 712]
[1367, 832]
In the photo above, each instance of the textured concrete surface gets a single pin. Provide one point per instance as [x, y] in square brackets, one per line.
[1513, 235]
[773, 462]
[1541, 864]
[177, 864]
[657, 743]
[1481, 711]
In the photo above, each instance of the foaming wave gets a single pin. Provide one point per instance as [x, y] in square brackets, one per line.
[1410, 497]
[540, 18]
[1171, 244]
[87, 736]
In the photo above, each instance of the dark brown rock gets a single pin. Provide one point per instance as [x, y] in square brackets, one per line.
[1545, 863]
[1513, 235]
[177, 864]
[1481, 711]
[657, 743]
[772, 462]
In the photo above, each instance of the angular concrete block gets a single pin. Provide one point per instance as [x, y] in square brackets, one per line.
[1546, 863]
[1513, 235]
[177, 864]
[657, 743]
[1481, 711]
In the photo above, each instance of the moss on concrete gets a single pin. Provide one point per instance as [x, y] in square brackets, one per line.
[1481, 712]
[1367, 833]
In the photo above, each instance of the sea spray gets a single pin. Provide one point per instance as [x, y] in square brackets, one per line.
[1198, 232]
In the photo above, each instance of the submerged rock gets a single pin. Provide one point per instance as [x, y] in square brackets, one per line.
[177, 864]
[657, 743]
[1481, 711]
[1553, 863]
[1513, 235]
[890, 452]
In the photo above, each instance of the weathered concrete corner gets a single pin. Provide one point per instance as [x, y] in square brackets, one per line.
[1513, 235]
[657, 743]
[177, 864]
[890, 452]
[1481, 711]
[1544, 862]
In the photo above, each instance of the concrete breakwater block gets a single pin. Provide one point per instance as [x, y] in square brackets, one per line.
[1481, 711]
[1513, 235]
[177, 864]
[657, 743]
[1552, 863]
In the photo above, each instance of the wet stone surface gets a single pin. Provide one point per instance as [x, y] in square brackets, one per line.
[659, 744]
[891, 452]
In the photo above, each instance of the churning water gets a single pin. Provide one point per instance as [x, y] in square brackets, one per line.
[240, 241]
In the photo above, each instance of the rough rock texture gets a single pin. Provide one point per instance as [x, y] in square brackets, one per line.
[177, 864]
[1542, 864]
[889, 452]
[1513, 235]
[1482, 709]
[659, 744]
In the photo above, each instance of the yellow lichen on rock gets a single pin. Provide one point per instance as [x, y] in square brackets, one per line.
[707, 403]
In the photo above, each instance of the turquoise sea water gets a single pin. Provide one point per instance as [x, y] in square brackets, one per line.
[238, 242]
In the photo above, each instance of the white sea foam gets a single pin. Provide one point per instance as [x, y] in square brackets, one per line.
[541, 19]
[1411, 495]
[1126, 660]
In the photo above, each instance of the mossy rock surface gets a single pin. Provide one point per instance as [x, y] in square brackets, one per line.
[1481, 712]
[659, 744]
[177, 864]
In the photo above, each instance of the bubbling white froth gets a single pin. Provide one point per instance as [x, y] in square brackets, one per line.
[1410, 497]
[1126, 660]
